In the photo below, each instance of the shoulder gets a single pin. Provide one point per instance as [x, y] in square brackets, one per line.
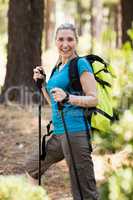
[84, 65]
[83, 60]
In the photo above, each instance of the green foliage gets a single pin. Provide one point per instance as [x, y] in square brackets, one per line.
[108, 36]
[3, 15]
[14, 188]
[130, 33]
[104, 141]
[108, 2]
[125, 75]
[122, 62]
[119, 185]
[3, 37]
[123, 131]
[120, 136]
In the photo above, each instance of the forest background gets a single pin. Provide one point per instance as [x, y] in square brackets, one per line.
[27, 30]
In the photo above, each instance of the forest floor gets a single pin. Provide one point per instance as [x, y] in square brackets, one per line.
[18, 138]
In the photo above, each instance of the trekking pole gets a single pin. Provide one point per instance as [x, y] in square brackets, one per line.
[39, 86]
[60, 108]
[39, 132]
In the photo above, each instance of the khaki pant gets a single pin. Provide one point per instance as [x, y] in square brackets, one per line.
[57, 149]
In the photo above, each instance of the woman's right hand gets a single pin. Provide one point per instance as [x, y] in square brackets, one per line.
[38, 73]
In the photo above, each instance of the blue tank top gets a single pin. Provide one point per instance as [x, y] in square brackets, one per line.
[73, 114]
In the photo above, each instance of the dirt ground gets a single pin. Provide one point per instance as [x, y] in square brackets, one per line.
[19, 135]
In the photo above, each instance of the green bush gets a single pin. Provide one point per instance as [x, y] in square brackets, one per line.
[17, 188]
[119, 185]
[119, 137]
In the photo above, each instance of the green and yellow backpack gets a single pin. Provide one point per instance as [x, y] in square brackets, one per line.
[100, 117]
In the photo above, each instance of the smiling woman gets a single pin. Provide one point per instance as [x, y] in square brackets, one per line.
[59, 91]
[66, 44]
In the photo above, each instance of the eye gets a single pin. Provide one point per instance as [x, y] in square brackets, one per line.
[70, 39]
[61, 39]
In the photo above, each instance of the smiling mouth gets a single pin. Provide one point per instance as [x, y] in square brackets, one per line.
[65, 51]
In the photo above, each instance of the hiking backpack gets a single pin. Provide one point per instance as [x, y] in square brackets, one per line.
[100, 116]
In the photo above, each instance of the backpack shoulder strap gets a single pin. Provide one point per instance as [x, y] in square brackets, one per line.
[53, 70]
[92, 57]
[74, 75]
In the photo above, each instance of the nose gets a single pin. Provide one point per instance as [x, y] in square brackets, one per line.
[65, 43]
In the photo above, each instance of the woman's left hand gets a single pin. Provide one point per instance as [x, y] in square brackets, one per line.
[58, 94]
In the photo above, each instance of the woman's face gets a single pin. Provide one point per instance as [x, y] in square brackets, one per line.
[66, 43]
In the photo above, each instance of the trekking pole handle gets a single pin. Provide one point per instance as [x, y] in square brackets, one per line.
[39, 82]
[60, 106]
[64, 100]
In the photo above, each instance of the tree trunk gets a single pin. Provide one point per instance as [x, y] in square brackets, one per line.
[118, 22]
[25, 25]
[96, 21]
[127, 18]
[49, 22]
[79, 21]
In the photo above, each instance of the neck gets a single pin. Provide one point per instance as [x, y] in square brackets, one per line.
[65, 60]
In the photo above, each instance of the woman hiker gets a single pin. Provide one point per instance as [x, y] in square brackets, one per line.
[59, 89]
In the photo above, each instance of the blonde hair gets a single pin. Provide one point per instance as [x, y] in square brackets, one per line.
[69, 27]
[66, 26]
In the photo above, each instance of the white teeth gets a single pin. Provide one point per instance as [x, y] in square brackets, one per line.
[64, 50]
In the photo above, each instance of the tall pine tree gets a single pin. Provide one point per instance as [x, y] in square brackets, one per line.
[25, 26]
[127, 18]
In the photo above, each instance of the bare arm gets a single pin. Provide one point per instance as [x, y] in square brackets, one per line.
[89, 88]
